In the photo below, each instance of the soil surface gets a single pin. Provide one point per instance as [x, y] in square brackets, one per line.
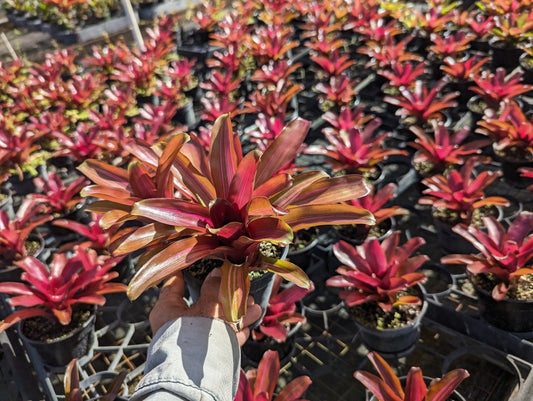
[371, 315]
[41, 328]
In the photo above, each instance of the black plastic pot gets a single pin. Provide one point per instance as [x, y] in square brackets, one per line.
[527, 78]
[509, 168]
[504, 55]
[302, 257]
[450, 241]
[185, 115]
[7, 201]
[253, 351]
[398, 341]
[508, 314]
[10, 272]
[61, 351]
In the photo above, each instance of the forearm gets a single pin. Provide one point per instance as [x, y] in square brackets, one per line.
[191, 358]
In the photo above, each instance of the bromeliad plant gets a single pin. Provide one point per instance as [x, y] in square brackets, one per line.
[443, 150]
[15, 234]
[55, 196]
[457, 195]
[356, 149]
[505, 255]
[226, 205]
[497, 87]
[511, 133]
[374, 272]
[259, 384]
[422, 104]
[51, 291]
[281, 312]
[388, 387]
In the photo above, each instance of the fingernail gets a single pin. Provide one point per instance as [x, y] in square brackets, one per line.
[215, 273]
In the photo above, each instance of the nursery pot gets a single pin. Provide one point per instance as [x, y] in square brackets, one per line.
[397, 340]
[301, 257]
[10, 272]
[253, 351]
[508, 314]
[185, 115]
[526, 62]
[60, 351]
[504, 55]
[510, 166]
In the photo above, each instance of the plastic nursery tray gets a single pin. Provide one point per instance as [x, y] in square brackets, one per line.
[329, 350]
[456, 307]
[121, 341]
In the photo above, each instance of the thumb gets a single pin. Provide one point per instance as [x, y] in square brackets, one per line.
[174, 287]
[211, 286]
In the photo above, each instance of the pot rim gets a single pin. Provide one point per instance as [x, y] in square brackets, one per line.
[415, 322]
[88, 322]
[488, 294]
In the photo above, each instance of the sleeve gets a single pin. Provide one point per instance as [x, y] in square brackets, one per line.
[191, 358]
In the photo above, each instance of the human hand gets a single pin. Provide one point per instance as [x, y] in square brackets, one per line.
[171, 304]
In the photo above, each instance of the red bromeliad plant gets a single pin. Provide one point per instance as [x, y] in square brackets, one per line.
[338, 92]
[14, 234]
[333, 63]
[281, 312]
[451, 45]
[346, 120]
[421, 103]
[81, 279]
[18, 145]
[388, 387]
[459, 194]
[374, 272]
[259, 384]
[355, 150]
[511, 133]
[55, 196]
[227, 206]
[375, 201]
[500, 86]
[402, 74]
[465, 69]
[506, 255]
[97, 237]
[383, 55]
[443, 150]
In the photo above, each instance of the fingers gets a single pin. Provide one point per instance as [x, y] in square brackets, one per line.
[243, 335]
[253, 312]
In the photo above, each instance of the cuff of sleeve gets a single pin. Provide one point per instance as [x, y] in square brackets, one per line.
[193, 357]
